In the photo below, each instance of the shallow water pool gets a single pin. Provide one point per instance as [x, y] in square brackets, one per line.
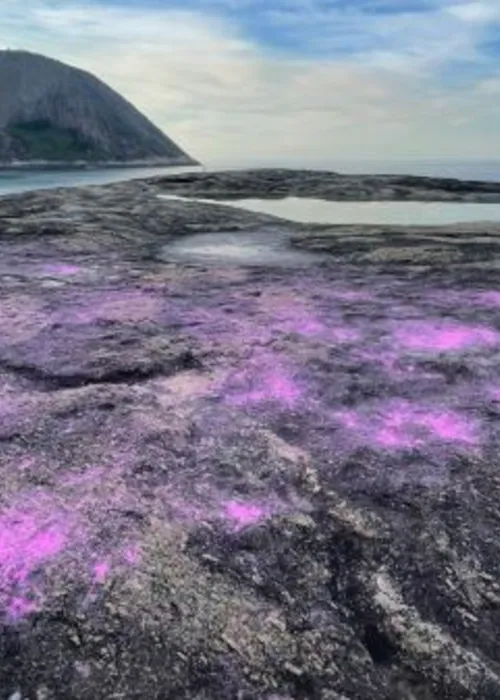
[305, 210]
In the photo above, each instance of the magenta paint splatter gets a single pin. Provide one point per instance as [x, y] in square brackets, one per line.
[62, 269]
[244, 514]
[342, 334]
[265, 385]
[306, 327]
[491, 298]
[19, 607]
[101, 571]
[26, 544]
[444, 337]
[400, 425]
[348, 418]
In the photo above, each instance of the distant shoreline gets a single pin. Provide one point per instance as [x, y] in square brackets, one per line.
[97, 165]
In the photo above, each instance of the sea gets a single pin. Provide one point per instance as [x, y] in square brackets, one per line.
[419, 213]
[12, 181]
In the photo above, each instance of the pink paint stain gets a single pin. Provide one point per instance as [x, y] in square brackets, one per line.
[349, 419]
[402, 424]
[19, 608]
[491, 298]
[26, 544]
[301, 323]
[62, 269]
[442, 337]
[244, 514]
[101, 571]
[344, 335]
[309, 327]
[450, 427]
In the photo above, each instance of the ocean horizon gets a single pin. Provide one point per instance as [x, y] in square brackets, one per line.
[15, 181]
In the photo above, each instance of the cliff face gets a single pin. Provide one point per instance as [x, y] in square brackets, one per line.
[52, 112]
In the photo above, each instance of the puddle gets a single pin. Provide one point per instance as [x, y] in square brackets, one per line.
[260, 248]
[320, 211]
[272, 248]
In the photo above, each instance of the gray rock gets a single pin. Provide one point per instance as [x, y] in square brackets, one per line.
[269, 183]
[354, 572]
[53, 113]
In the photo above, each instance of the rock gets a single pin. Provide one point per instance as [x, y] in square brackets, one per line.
[278, 183]
[53, 113]
[299, 499]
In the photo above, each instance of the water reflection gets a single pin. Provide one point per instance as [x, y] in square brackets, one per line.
[305, 210]
[260, 248]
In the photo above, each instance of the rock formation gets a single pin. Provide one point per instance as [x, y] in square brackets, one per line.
[53, 113]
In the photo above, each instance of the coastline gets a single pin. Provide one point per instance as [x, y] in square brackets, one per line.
[94, 165]
[271, 183]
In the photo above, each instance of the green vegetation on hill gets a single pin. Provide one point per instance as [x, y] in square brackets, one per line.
[44, 141]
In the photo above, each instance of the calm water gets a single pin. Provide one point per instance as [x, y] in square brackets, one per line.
[18, 181]
[319, 211]
[262, 248]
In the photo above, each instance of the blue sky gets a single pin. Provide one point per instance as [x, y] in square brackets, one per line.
[293, 80]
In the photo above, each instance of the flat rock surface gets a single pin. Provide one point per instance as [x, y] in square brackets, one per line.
[273, 183]
[245, 483]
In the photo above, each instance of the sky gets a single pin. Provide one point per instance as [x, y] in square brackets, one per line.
[288, 81]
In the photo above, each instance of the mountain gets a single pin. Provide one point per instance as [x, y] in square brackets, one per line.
[56, 114]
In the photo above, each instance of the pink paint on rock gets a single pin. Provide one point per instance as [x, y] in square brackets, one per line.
[392, 438]
[403, 425]
[19, 608]
[311, 327]
[101, 571]
[62, 269]
[350, 419]
[271, 386]
[352, 295]
[244, 514]
[442, 337]
[307, 327]
[344, 335]
[450, 427]
[491, 298]
[26, 544]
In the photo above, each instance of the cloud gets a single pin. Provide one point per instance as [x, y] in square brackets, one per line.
[216, 85]
[476, 12]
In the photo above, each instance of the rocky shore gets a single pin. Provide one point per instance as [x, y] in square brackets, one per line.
[226, 482]
[272, 183]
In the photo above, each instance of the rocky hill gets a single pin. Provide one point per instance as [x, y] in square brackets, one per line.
[53, 113]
